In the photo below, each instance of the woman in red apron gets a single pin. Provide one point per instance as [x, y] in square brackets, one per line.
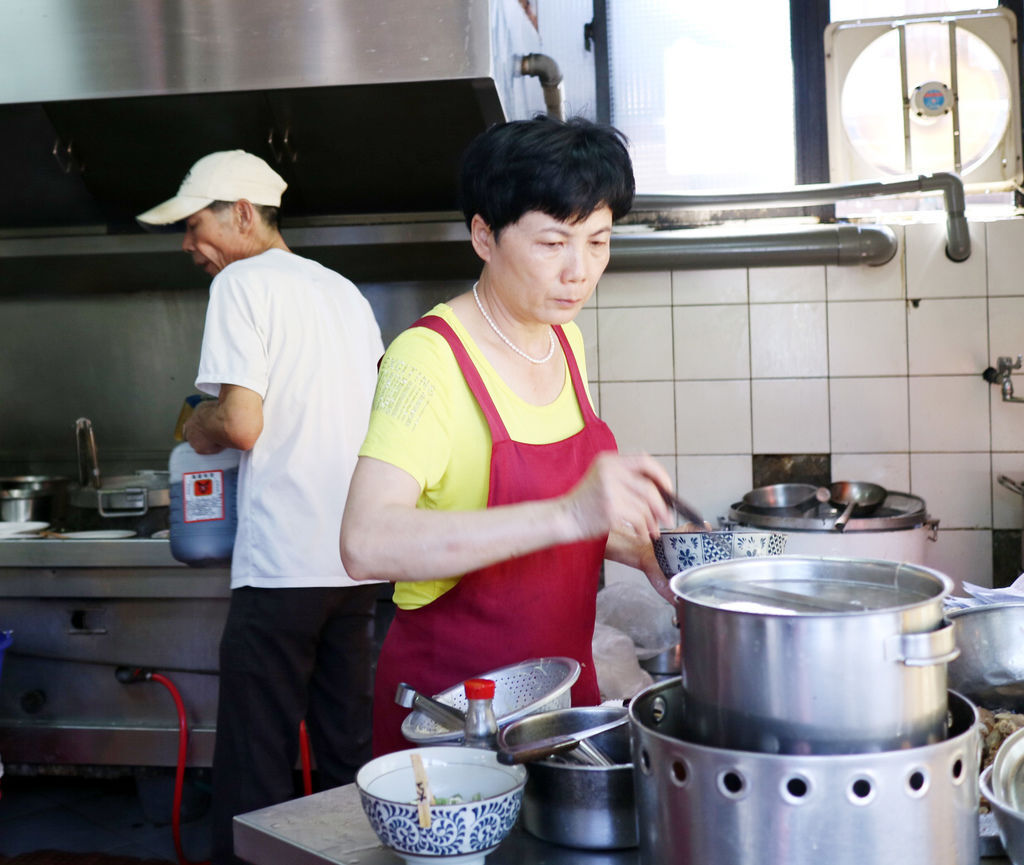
[487, 582]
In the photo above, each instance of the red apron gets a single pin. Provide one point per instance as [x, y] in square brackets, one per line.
[539, 605]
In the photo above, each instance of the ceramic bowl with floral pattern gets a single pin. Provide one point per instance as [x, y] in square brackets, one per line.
[481, 800]
[680, 551]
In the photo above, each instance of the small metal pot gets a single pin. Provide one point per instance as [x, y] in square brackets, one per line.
[30, 498]
[126, 495]
[576, 805]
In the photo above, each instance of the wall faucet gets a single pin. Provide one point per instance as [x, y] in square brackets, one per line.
[1001, 376]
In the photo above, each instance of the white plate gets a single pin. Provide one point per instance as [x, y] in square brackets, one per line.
[98, 535]
[13, 528]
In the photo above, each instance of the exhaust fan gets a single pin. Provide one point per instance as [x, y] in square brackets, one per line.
[919, 94]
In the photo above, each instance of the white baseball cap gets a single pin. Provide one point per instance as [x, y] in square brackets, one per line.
[226, 175]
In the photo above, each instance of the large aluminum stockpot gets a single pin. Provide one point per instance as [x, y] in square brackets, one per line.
[698, 805]
[807, 655]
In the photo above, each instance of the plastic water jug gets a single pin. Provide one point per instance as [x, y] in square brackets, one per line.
[204, 505]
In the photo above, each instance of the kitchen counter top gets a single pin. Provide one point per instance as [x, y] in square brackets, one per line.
[330, 828]
[131, 567]
[57, 553]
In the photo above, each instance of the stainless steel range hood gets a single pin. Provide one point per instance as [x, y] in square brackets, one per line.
[364, 106]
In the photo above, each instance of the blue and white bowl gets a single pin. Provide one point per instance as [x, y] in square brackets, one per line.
[459, 834]
[680, 551]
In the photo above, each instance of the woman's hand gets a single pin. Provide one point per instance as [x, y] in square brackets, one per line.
[620, 492]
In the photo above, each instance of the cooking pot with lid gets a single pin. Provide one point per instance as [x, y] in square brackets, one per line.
[139, 501]
[573, 803]
[805, 655]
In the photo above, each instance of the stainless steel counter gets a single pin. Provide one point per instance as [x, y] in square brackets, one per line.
[57, 553]
[79, 609]
[330, 828]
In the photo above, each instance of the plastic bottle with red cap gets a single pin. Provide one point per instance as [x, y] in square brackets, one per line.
[481, 723]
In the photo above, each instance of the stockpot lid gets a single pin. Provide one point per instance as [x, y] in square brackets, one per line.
[808, 586]
[897, 511]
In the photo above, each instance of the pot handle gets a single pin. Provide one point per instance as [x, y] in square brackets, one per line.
[923, 650]
[136, 498]
[1011, 484]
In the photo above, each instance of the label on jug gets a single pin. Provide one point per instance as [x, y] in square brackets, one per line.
[203, 496]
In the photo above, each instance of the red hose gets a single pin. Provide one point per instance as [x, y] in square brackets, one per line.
[307, 775]
[179, 775]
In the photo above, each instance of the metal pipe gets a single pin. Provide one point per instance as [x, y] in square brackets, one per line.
[823, 244]
[958, 239]
[546, 69]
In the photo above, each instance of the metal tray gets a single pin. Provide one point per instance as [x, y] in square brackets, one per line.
[898, 511]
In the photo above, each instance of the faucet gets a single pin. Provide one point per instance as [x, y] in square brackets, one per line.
[1001, 376]
[88, 460]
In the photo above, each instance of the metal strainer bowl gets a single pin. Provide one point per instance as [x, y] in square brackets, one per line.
[537, 685]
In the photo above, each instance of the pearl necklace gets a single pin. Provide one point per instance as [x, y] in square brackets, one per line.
[507, 341]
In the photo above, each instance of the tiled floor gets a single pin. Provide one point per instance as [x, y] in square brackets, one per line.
[108, 816]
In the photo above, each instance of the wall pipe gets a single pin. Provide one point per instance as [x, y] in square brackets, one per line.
[822, 244]
[546, 69]
[958, 239]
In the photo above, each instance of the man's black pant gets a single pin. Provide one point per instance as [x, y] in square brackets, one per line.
[288, 655]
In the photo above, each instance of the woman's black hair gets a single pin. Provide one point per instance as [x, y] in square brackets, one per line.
[566, 169]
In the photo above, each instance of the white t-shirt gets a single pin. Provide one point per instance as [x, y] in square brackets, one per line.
[306, 340]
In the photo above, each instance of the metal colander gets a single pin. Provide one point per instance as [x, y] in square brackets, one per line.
[522, 689]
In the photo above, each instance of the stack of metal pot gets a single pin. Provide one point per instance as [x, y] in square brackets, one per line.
[811, 721]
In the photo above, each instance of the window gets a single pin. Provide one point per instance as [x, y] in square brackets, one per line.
[704, 91]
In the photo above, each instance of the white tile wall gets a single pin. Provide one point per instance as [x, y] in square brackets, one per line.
[788, 340]
[711, 341]
[713, 483]
[790, 416]
[869, 415]
[1005, 256]
[709, 286]
[775, 284]
[713, 417]
[652, 288]
[945, 337]
[957, 487]
[635, 343]
[1006, 326]
[867, 338]
[641, 414]
[948, 413]
[833, 360]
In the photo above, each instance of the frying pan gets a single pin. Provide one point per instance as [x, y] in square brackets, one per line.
[785, 496]
[859, 496]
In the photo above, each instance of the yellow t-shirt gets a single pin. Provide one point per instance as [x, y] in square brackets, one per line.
[426, 421]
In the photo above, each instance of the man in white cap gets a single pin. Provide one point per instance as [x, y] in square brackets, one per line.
[289, 351]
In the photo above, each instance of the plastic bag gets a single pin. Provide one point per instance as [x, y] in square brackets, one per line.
[619, 675]
[641, 613]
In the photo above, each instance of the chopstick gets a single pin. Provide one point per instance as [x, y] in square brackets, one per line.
[424, 798]
[687, 512]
